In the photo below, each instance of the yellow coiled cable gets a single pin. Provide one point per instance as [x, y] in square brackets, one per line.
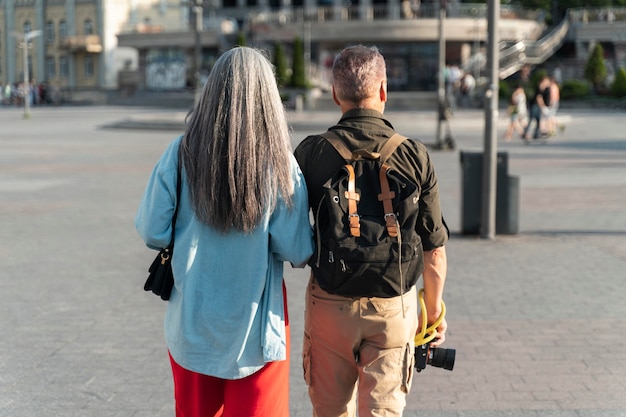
[428, 333]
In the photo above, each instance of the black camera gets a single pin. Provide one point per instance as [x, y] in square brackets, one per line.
[438, 357]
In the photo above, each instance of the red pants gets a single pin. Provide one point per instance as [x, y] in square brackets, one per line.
[262, 394]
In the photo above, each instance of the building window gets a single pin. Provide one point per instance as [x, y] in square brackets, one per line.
[88, 66]
[88, 27]
[64, 66]
[50, 67]
[50, 34]
[27, 27]
[62, 30]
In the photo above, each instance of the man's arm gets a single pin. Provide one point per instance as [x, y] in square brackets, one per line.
[435, 269]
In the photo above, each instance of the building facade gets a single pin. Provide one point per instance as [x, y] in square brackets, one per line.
[72, 44]
[167, 45]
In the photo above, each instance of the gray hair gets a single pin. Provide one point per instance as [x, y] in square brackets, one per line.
[357, 73]
[236, 147]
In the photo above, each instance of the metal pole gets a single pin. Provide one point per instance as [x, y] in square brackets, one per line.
[198, 50]
[26, 80]
[441, 81]
[307, 49]
[491, 118]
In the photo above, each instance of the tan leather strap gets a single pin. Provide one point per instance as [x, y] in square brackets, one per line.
[353, 197]
[386, 196]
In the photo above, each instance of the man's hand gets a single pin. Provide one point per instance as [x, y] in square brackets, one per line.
[440, 337]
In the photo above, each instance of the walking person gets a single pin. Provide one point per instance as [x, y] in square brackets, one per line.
[359, 348]
[518, 113]
[538, 108]
[553, 107]
[243, 211]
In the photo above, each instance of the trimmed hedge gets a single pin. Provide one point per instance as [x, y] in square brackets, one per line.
[574, 89]
[619, 85]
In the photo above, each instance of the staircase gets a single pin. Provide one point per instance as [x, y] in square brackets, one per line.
[514, 56]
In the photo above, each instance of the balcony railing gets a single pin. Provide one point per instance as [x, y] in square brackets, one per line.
[389, 11]
[85, 43]
[597, 14]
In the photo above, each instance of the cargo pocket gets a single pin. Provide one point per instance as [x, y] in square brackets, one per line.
[408, 368]
[306, 358]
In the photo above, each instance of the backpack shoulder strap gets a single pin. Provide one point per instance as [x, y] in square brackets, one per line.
[351, 195]
[386, 195]
[385, 152]
[338, 144]
[390, 146]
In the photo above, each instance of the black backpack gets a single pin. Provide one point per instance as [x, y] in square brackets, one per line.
[366, 213]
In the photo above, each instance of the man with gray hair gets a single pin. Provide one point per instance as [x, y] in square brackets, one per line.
[367, 337]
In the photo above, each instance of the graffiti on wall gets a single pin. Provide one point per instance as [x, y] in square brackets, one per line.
[163, 75]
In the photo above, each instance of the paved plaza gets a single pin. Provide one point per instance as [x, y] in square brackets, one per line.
[538, 318]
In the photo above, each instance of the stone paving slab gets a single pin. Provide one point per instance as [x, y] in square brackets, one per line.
[538, 318]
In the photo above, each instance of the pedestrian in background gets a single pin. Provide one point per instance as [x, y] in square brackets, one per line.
[538, 108]
[555, 98]
[243, 210]
[518, 113]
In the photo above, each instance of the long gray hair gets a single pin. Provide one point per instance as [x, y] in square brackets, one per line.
[236, 146]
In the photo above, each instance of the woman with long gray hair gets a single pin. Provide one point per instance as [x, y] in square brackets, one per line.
[243, 211]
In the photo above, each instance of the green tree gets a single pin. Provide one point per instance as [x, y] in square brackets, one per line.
[298, 76]
[595, 69]
[280, 63]
[241, 39]
[619, 85]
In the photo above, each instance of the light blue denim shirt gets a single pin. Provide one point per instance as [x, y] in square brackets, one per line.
[225, 317]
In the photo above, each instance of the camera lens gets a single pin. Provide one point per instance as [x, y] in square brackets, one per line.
[442, 358]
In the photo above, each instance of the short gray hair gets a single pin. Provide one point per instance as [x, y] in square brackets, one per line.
[357, 73]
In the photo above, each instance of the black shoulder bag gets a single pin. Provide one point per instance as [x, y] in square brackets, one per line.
[160, 278]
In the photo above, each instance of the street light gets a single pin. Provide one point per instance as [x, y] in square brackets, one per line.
[25, 39]
[197, 9]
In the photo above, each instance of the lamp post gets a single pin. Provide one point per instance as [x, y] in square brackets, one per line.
[198, 48]
[488, 215]
[441, 86]
[25, 39]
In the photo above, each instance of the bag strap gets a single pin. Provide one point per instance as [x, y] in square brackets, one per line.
[390, 146]
[353, 197]
[178, 187]
[385, 152]
[338, 144]
[386, 195]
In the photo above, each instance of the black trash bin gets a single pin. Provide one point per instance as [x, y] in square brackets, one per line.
[507, 195]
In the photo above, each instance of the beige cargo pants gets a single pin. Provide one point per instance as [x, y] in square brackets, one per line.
[358, 351]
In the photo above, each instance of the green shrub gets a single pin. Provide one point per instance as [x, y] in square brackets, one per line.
[619, 85]
[505, 90]
[241, 39]
[573, 89]
[595, 69]
[280, 64]
[298, 76]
